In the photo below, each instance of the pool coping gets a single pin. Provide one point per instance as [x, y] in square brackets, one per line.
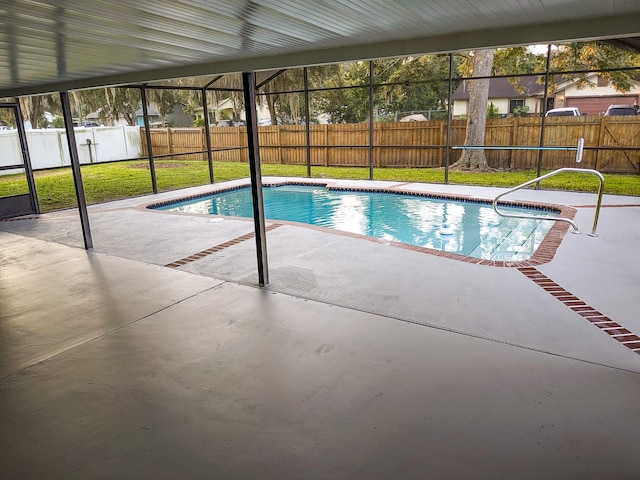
[544, 253]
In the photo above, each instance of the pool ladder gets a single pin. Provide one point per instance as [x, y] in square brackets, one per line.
[556, 219]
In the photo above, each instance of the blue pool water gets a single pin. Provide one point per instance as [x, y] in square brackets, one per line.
[476, 229]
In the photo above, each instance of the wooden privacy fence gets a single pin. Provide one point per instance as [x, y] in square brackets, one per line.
[609, 143]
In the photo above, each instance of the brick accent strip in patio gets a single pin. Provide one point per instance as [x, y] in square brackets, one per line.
[24, 217]
[604, 323]
[217, 248]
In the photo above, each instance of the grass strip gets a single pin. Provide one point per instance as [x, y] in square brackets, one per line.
[112, 181]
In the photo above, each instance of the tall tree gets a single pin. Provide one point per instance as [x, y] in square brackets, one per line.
[585, 56]
[121, 103]
[287, 107]
[164, 99]
[227, 87]
[418, 84]
[7, 117]
[482, 63]
[34, 107]
[347, 98]
[517, 61]
[475, 159]
[111, 104]
[578, 56]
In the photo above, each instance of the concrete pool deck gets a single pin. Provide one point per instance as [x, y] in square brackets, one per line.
[359, 360]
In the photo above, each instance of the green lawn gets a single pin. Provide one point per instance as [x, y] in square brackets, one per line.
[105, 182]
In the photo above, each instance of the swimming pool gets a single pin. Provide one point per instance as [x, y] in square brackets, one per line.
[475, 229]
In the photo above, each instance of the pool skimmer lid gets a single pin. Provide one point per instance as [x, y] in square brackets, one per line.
[446, 229]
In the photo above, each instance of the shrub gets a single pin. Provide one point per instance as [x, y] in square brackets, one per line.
[493, 111]
[520, 110]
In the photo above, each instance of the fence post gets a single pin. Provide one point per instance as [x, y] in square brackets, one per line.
[169, 141]
[514, 139]
[601, 133]
[203, 142]
[326, 145]
[279, 127]
[379, 133]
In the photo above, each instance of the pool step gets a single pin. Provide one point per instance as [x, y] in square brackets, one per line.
[526, 243]
[515, 242]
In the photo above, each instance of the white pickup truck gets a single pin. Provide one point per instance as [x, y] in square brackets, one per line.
[563, 112]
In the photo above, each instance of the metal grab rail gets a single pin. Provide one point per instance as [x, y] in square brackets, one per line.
[556, 219]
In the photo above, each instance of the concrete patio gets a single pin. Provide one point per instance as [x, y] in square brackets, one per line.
[359, 360]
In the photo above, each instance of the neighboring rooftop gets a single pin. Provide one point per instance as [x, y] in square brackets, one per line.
[502, 87]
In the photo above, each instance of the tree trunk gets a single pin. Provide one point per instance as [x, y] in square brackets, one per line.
[270, 105]
[477, 113]
[33, 107]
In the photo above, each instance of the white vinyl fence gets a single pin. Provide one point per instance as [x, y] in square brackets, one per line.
[48, 147]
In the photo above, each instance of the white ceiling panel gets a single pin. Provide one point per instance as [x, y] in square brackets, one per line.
[64, 44]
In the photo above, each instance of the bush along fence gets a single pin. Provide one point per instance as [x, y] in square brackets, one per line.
[612, 144]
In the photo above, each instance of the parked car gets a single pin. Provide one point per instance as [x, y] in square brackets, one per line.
[563, 112]
[266, 122]
[230, 123]
[621, 110]
[86, 124]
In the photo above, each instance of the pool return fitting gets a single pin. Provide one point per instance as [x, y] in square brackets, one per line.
[579, 150]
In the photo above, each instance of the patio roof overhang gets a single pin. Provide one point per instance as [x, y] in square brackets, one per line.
[53, 46]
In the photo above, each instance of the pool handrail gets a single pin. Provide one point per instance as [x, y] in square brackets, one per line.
[556, 219]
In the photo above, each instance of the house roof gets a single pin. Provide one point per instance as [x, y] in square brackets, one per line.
[562, 83]
[502, 88]
[52, 46]
[532, 87]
